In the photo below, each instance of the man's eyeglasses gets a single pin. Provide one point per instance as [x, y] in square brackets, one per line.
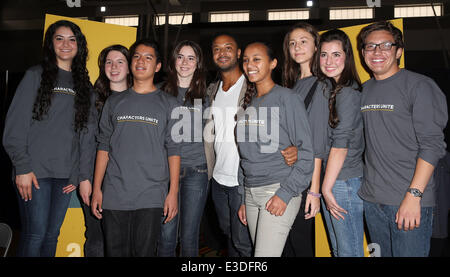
[384, 46]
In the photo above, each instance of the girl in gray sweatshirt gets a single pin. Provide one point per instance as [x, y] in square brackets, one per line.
[272, 118]
[344, 144]
[186, 81]
[49, 136]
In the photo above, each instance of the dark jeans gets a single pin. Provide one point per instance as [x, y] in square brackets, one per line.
[131, 233]
[301, 238]
[93, 246]
[393, 242]
[42, 217]
[192, 198]
[227, 202]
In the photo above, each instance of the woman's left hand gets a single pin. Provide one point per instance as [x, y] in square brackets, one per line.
[312, 205]
[332, 206]
[85, 191]
[69, 188]
[170, 206]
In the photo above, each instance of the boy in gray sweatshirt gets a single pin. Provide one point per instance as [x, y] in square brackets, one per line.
[137, 159]
[404, 115]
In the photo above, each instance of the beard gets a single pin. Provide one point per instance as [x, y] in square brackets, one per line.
[228, 67]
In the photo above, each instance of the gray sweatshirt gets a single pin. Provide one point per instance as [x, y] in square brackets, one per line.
[192, 148]
[135, 130]
[317, 114]
[404, 117]
[270, 124]
[50, 147]
[347, 134]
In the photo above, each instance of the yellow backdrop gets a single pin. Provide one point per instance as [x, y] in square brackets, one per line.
[98, 35]
[322, 246]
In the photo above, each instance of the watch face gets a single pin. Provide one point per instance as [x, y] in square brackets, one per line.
[415, 192]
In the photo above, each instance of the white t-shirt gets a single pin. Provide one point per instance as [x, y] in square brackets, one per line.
[224, 109]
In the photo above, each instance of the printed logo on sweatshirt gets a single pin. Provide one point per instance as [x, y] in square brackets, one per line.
[252, 122]
[260, 125]
[137, 118]
[378, 107]
[62, 90]
[192, 109]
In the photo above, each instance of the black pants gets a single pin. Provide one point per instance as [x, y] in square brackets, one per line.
[93, 246]
[131, 233]
[300, 242]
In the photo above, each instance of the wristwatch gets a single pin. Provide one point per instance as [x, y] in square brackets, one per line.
[415, 192]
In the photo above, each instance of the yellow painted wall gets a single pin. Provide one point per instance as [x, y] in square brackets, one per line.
[322, 246]
[98, 35]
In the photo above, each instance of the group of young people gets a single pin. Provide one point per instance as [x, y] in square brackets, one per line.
[145, 156]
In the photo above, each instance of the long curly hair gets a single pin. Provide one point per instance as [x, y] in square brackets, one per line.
[291, 70]
[349, 76]
[102, 84]
[80, 75]
[251, 87]
[197, 87]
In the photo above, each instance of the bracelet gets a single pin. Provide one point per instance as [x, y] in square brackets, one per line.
[318, 195]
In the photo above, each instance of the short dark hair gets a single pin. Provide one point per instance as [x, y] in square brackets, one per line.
[216, 35]
[381, 26]
[147, 42]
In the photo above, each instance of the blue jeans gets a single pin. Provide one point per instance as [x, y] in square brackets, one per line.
[346, 236]
[393, 242]
[192, 199]
[227, 202]
[42, 217]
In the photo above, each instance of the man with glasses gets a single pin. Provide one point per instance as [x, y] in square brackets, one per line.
[404, 116]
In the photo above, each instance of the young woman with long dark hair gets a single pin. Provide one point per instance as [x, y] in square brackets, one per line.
[274, 117]
[340, 86]
[299, 49]
[186, 81]
[49, 136]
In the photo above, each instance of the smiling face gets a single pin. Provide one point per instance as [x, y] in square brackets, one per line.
[383, 64]
[186, 62]
[116, 67]
[257, 64]
[225, 53]
[301, 46]
[332, 59]
[65, 45]
[144, 63]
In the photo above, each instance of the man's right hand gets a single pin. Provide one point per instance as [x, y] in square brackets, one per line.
[96, 204]
[24, 183]
[242, 215]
